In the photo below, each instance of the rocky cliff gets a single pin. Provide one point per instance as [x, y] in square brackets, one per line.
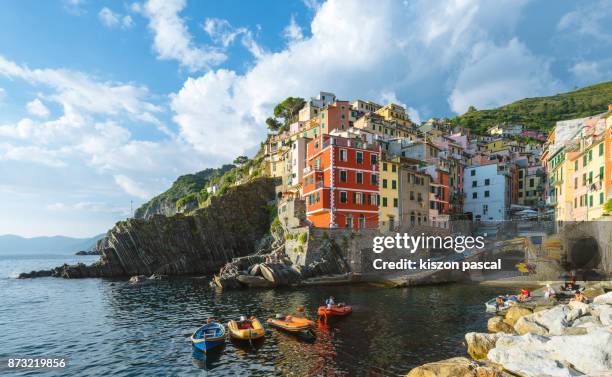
[198, 243]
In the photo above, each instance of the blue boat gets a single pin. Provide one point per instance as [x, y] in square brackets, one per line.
[209, 336]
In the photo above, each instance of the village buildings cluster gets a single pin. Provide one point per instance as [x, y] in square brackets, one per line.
[359, 164]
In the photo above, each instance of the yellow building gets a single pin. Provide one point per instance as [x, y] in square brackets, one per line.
[389, 193]
[376, 124]
[395, 113]
[495, 145]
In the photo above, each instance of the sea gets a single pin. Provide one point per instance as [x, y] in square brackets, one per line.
[109, 327]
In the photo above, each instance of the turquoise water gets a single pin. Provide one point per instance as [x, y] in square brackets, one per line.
[109, 327]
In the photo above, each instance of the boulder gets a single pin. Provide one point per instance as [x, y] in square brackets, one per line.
[138, 279]
[565, 355]
[479, 344]
[603, 299]
[593, 292]
[603, 313]
[496, 324]
[455, 367]
[587, 321]
[515, 312]
[528, 325]
[254, 281]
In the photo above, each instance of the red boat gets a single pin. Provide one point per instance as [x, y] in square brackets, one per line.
[336, 310]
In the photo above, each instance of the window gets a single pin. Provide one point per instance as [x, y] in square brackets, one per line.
[472, 172]
[384, 183]
[601, 173]
[343, 155]
[485, 209]
[474, 183]
[601, 149]
[361, 221]
[394, 184]
[305, 181]
[487, 182]
[590, 155]
[343, 197]
[384, 166]
[359, 177]
[411, 195]
[395, 202]
[474, 195]
[575, 202]
[384, 203]
[419, 197]
[358, 198]
[576, 165]
[349, 222]
[359, 157]
[318, 196]
[601, 198]
[486, 194]
[584, 179]
[531, 182]
[373, 159]
[576, 182]
[393, 168]
[590, 177]
[312, 179]
[590, 200]
[374, 179]
[342, 175]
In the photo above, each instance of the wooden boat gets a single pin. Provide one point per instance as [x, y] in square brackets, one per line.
[247, 329]
[335, 310]
[209, 336]
[291, 324]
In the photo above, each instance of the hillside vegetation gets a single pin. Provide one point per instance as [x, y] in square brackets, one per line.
[541, 113]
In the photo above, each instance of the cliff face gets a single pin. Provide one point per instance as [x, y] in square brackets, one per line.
[198, 243]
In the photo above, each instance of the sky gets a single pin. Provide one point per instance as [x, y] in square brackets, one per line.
[104, 103]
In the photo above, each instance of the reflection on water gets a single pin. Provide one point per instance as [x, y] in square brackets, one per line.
[111, 327]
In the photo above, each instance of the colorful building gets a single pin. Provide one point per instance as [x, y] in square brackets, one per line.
[395, 114]
[341, 182]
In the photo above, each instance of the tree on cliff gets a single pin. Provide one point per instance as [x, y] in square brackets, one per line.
[273, 124]
[241, 160]
[288, 109]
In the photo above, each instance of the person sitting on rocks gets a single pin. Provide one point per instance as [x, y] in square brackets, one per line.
[580, 297]
[549, 293]
[524, 295]
[500, 302]
[329, 302]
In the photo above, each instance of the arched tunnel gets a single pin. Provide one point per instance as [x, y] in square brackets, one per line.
[584, 253]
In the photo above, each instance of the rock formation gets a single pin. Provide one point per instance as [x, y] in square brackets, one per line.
[194, 244]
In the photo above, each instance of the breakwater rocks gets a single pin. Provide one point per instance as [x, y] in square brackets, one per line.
[194, 244]
[271, 267]
[556, 339]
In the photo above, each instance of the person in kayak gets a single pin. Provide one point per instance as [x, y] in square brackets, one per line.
[550, 293]
[330, 302]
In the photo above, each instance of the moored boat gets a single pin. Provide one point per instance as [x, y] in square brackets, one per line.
[246, 329]
[209, 336]
[291, 324]
[335, 310]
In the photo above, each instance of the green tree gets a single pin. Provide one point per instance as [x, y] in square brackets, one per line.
[241, 160]
[288, 109]
[273, 124]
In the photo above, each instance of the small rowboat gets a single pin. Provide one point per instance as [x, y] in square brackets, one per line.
[209, 336]
[291, 324]
[246, 329]
[335, 310]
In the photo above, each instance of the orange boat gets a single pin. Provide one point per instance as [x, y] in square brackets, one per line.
[336, 310]
[291, 323]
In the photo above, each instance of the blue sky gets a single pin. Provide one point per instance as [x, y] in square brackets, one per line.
[106, 103]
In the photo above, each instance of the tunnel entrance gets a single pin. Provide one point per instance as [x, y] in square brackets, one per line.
[584, 253]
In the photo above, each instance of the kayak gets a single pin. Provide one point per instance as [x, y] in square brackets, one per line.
[250, 329]
[335, 310]
[209, 336]
[291, 324]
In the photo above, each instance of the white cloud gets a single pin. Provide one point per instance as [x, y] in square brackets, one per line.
[111, 19]
[37, 108]
[223, 33]
[77, 92]
[2, 94]
[131, 187]
[497, 75]
[359, 49]
[172, 40]
[293, 31]
[589, 20]
[31, 154]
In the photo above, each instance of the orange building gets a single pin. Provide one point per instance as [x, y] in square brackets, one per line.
[335, 116]
[341, 182]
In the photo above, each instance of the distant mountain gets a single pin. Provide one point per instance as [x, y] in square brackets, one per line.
[541, 113]
[11, 244]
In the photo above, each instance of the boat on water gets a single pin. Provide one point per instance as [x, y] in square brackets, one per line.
[246, 329]
[291, 324]
[208, 337]
[339, 310]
